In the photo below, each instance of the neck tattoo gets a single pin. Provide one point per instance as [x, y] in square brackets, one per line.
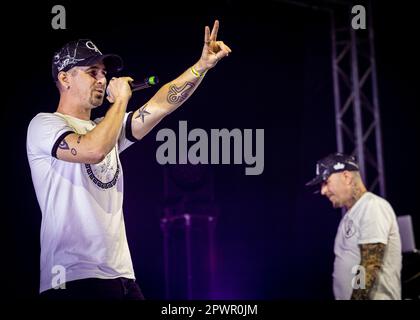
[357, 193]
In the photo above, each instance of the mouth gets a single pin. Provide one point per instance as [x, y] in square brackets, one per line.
[101, 91]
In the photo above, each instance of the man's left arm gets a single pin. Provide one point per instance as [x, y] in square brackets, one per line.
[175, 93]
[372, 255]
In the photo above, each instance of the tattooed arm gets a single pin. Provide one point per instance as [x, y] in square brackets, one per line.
[175, 93]
[371, 259]
[93, 146]
[166, 100]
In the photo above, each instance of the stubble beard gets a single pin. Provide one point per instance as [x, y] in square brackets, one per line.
[96, 99]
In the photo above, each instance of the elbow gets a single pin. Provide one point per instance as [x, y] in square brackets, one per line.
[96, 152]
[96, 157]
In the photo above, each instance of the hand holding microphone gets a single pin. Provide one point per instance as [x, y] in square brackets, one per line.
[119, 88]
[135, 86]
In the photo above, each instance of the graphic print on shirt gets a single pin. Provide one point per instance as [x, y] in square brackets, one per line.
[105, 174]
[349, 228]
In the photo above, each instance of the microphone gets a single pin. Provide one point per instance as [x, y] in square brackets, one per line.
[146, 83]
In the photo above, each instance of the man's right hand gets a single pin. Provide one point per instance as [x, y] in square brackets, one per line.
[93, 146]
[119, 88]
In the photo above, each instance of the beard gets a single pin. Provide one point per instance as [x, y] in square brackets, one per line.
[335, 203]
[96, 99]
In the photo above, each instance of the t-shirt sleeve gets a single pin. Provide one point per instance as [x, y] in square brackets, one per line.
[126, 137]
[45, 132]
[376, 222]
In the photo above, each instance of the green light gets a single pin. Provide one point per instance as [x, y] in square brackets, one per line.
[152, 80]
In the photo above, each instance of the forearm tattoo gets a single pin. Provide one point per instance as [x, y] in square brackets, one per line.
[65, 146]
[179, 94]
[142, 113]
[371, 259]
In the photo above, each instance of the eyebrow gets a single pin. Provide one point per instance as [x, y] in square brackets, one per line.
[95, 68]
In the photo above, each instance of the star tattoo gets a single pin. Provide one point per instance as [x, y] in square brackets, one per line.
[143, 113]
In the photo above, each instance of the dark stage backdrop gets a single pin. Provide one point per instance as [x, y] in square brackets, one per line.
[274, 238]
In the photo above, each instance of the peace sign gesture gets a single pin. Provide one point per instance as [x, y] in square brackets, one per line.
[213, 50]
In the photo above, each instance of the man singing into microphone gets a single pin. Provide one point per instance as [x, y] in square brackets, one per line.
[77, 174]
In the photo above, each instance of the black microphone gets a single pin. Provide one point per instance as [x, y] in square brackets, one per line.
[146, 83]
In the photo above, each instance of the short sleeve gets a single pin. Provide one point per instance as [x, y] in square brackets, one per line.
[45, 132]
[126, 138]
[376, 222]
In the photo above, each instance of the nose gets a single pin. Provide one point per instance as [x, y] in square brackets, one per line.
[323, 189]
[101, 79]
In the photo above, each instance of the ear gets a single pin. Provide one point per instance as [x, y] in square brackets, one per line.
[63, 78]
[348, 176]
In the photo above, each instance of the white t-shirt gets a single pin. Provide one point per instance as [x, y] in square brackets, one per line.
[370, 220]
[82, 227]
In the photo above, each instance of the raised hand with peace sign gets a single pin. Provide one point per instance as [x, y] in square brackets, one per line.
[213, 50]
